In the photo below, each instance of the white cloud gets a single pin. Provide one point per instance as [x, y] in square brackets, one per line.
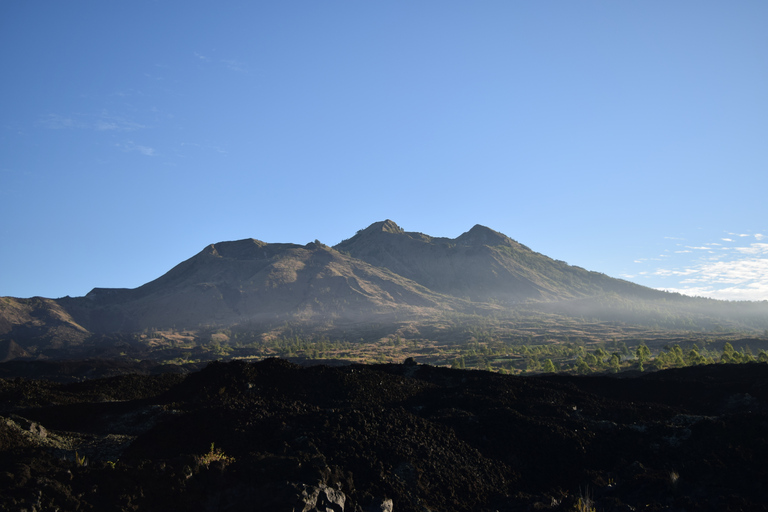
[132, 146]
[209, 147]
[104, 125]
[116, 124]
[753, 249]
[57, 122]
[733, 268]
[234, 65]
[753, 292]
[741, 279]
[100, 122]
[671, 272]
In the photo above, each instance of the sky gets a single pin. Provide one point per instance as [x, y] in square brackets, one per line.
[628, 138]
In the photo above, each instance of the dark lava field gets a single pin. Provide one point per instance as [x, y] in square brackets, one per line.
[276, 436]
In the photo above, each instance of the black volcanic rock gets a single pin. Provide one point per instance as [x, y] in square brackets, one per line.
[275, 436]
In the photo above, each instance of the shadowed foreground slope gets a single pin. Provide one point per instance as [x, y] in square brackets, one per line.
[276, 436]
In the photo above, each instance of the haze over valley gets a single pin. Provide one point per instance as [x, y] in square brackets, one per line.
[380, 285]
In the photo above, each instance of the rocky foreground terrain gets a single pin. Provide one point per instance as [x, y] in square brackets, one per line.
[405, 437]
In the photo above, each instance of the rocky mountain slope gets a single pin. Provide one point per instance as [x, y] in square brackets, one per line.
[481, 265]
[399, 437]
[28, 324]
[381, 276]
[252, 282]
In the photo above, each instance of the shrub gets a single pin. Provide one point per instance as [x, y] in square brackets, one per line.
[214, 455]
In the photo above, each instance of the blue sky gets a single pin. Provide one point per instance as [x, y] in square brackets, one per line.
[629, 138]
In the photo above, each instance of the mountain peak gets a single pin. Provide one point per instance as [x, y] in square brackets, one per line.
[385, 226]
[238, 249]
[483, 235]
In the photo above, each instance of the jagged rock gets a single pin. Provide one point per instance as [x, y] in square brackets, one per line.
[385, 506]
[321, 498]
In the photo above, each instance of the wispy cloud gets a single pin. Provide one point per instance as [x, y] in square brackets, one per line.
[117, 125]
[132, 146]
[235, 65]
[734, 273]
[756, 291]
[753, 249]
[100, 122]
[208, 147]
[57, 122]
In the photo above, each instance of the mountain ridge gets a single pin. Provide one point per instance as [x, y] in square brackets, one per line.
[383, 275]
[252, 281]
[480, 264]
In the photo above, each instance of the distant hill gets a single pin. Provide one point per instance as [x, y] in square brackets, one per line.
[381, 276]
[36, 323]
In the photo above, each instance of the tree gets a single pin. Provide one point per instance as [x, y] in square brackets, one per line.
[677, 356]
[582, 367]
[643, 353]
[549, 367]
[729, 355]
[661, 361]
[624, 349]
[615, 363]
[600, 354]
